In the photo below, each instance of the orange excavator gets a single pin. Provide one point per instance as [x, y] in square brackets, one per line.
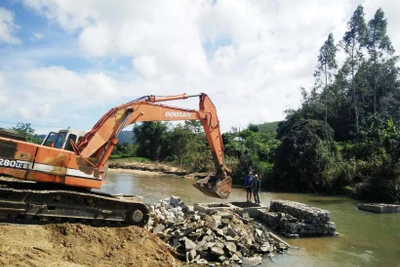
[54, 180]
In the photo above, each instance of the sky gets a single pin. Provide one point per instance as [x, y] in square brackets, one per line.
[65, 63]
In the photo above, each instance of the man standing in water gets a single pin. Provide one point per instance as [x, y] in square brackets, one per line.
[255, 187]
[247, 185]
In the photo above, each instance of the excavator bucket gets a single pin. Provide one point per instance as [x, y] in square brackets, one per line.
[215, 186]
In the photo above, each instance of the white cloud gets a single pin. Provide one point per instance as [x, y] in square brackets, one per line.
[251, 57]
[62, 84]
[68, 14]
[7, 27]
[36, 37]
[3, 94]
[146, 65]
[96, 41]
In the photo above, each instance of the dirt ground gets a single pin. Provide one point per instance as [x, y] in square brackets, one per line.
[76, 245]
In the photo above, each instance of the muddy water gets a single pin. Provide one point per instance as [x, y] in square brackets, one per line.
[365, 239]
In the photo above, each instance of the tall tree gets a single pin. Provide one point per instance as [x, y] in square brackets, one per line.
[378, 43]
[354, 40]
[326, 65]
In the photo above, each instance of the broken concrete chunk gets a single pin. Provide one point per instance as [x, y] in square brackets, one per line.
[220, 245]
[189, 244]
[211, 244]
[202, 261]
[259, 232]
[217, 251]
[252, 261]
[174, 201]
[231, 232]
[190, 256]
[234, 258]
[282, 246]
[265, 247]
[159, 228]
[222, 258]
[219, 232]
[239, 254]
[244, 250]
[231, 246]
[227, 216]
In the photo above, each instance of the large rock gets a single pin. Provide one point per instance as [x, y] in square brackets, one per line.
[189, 244]
[174, 201]
[217, 251]
[231, 246]
[252, 261]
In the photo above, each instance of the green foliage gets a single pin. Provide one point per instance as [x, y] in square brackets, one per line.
[124, 158]
[268, 127]
[150, 138]
[362, 105]
[326, 59]
[26, 129]
[124, 150]
[300, 160]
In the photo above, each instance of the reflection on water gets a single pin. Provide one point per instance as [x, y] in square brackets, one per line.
[365, 239]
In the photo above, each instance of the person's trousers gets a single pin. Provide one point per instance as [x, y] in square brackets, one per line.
[256, 196]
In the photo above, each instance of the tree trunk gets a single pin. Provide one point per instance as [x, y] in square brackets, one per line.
[326, 103]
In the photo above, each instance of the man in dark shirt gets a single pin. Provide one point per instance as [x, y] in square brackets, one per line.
[247, 185]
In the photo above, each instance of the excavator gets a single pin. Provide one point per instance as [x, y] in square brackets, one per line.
[57, 180]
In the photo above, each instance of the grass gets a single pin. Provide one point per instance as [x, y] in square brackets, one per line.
[117, 158]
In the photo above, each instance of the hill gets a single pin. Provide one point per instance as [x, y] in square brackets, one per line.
[268, 128]
[127, 137]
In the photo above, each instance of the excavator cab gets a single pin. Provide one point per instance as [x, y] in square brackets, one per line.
[63, 138]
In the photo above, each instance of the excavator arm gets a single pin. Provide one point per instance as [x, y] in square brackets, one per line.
[100, 141]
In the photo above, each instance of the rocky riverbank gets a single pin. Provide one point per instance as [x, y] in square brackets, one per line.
[153, 168]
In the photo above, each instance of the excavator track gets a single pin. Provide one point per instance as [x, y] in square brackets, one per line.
[32, 203]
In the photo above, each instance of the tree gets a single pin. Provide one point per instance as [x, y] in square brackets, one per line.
[354, 40]
[297, 159]
[26, 129]
[178, 142]
[378, 43]
[325, 66]
[150, 138]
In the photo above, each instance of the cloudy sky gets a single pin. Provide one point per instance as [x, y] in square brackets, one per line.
[65, 63]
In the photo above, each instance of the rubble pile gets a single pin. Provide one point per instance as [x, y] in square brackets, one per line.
[221, 236]
[294, 219]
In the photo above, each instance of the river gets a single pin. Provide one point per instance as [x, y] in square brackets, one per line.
[365, 239]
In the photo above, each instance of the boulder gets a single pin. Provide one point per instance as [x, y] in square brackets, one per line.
[252, 261]
[217, 251]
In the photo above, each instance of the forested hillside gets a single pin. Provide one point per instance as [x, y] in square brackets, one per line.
[345, 138]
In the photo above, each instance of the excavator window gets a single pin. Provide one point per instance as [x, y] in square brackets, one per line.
[55, 140]
[68, 145]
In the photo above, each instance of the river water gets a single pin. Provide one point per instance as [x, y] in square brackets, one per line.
[365, 239]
